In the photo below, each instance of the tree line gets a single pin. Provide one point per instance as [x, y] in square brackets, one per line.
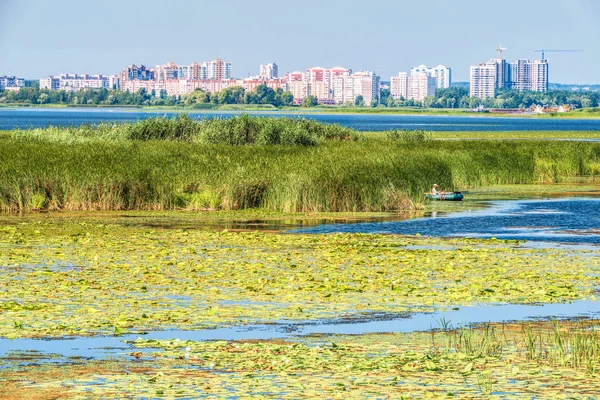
[459, 97]
[453, 97]
[262, 94]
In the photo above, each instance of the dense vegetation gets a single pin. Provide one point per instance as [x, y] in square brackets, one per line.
[459, 97]
[237, 130]
[261, 95]
[288, 165]
[453, 98]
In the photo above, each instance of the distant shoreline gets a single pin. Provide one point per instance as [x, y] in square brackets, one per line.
[592, 113]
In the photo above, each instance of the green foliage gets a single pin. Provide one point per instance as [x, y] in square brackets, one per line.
[310, 101]
[237, 130]
[408, 136]
[104, 97]
[459, 97]
[272, 163]
[38, 201]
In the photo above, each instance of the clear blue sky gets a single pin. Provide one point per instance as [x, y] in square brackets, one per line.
[44, 37]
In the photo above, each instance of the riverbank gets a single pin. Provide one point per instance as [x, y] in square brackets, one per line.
[586, 113]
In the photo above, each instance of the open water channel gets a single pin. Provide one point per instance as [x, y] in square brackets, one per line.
[24, 118]
[572, 223]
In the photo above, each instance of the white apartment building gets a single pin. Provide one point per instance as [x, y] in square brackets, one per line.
[539, 75]
[269, 71]
[297, 85]
[528, 75]
[75, 82]
[218, 70]
[346, 88]
[483, 80]
[166, 72]
[50, 83]
[421, 85]
[441, 73]
[399, 86]
[11, 82]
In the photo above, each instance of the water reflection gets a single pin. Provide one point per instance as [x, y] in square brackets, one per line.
[555, 221]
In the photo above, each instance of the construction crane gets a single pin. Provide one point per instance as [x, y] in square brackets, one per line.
[544, 51]
[500, 51]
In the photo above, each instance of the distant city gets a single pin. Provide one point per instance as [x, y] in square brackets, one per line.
[330, 86]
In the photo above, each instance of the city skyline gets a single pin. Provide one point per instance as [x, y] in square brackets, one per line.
[375, 38]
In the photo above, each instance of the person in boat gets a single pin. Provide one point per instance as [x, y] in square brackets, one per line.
[434, 191]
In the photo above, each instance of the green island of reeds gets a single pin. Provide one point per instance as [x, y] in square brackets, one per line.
[282, 164]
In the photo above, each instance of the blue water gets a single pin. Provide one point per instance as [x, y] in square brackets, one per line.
[555, 221]
[42, 117]
[111, 346]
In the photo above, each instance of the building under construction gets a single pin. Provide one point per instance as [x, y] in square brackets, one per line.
[521, 75]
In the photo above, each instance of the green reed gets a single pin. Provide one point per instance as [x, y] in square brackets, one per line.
[231, 164]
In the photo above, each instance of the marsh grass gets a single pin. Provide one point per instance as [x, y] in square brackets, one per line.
[570, 344]
[254, 162]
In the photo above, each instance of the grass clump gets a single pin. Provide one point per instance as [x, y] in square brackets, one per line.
[408, 136]
[237, 130]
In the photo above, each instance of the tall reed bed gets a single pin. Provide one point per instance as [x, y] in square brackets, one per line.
[237, 130]
[169, 166]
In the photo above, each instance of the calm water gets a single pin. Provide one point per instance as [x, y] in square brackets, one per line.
[31, 117]
[110, 346]
[554, 221]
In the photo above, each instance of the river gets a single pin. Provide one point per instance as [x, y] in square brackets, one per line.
[24, 118]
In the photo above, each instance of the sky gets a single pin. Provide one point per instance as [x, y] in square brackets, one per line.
[47, 37]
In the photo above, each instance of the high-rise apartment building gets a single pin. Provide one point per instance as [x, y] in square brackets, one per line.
[483, 80]
[218, 70]
[441, 73]
[320, 82]
[521, 75]
[347, 87]
[11, 83]
[539, 75]
[399, 86]
[269, 71]
[503, 73]
[421, 85]
[529, 75]
[169, 71]
[137, 73]
[297, 85]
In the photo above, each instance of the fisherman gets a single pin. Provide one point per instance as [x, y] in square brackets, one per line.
[434, 191]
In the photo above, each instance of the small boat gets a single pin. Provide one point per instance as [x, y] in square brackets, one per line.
[448, 196]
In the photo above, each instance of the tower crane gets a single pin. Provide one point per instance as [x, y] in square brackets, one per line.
[544, 51]
[500, 51]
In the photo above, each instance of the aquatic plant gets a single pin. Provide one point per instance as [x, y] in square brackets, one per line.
[367, 175]
[102, 276]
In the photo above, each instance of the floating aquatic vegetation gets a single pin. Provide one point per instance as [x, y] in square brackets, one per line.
[464, 363]
[78, 278]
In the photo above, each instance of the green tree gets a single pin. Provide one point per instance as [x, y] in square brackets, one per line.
[310, 101]
[384, 95]
[198, 96]
[359, 101]
[263, 94]
[231, 95]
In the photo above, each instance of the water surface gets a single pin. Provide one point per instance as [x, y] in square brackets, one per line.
[571, 220]
[42, 117]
